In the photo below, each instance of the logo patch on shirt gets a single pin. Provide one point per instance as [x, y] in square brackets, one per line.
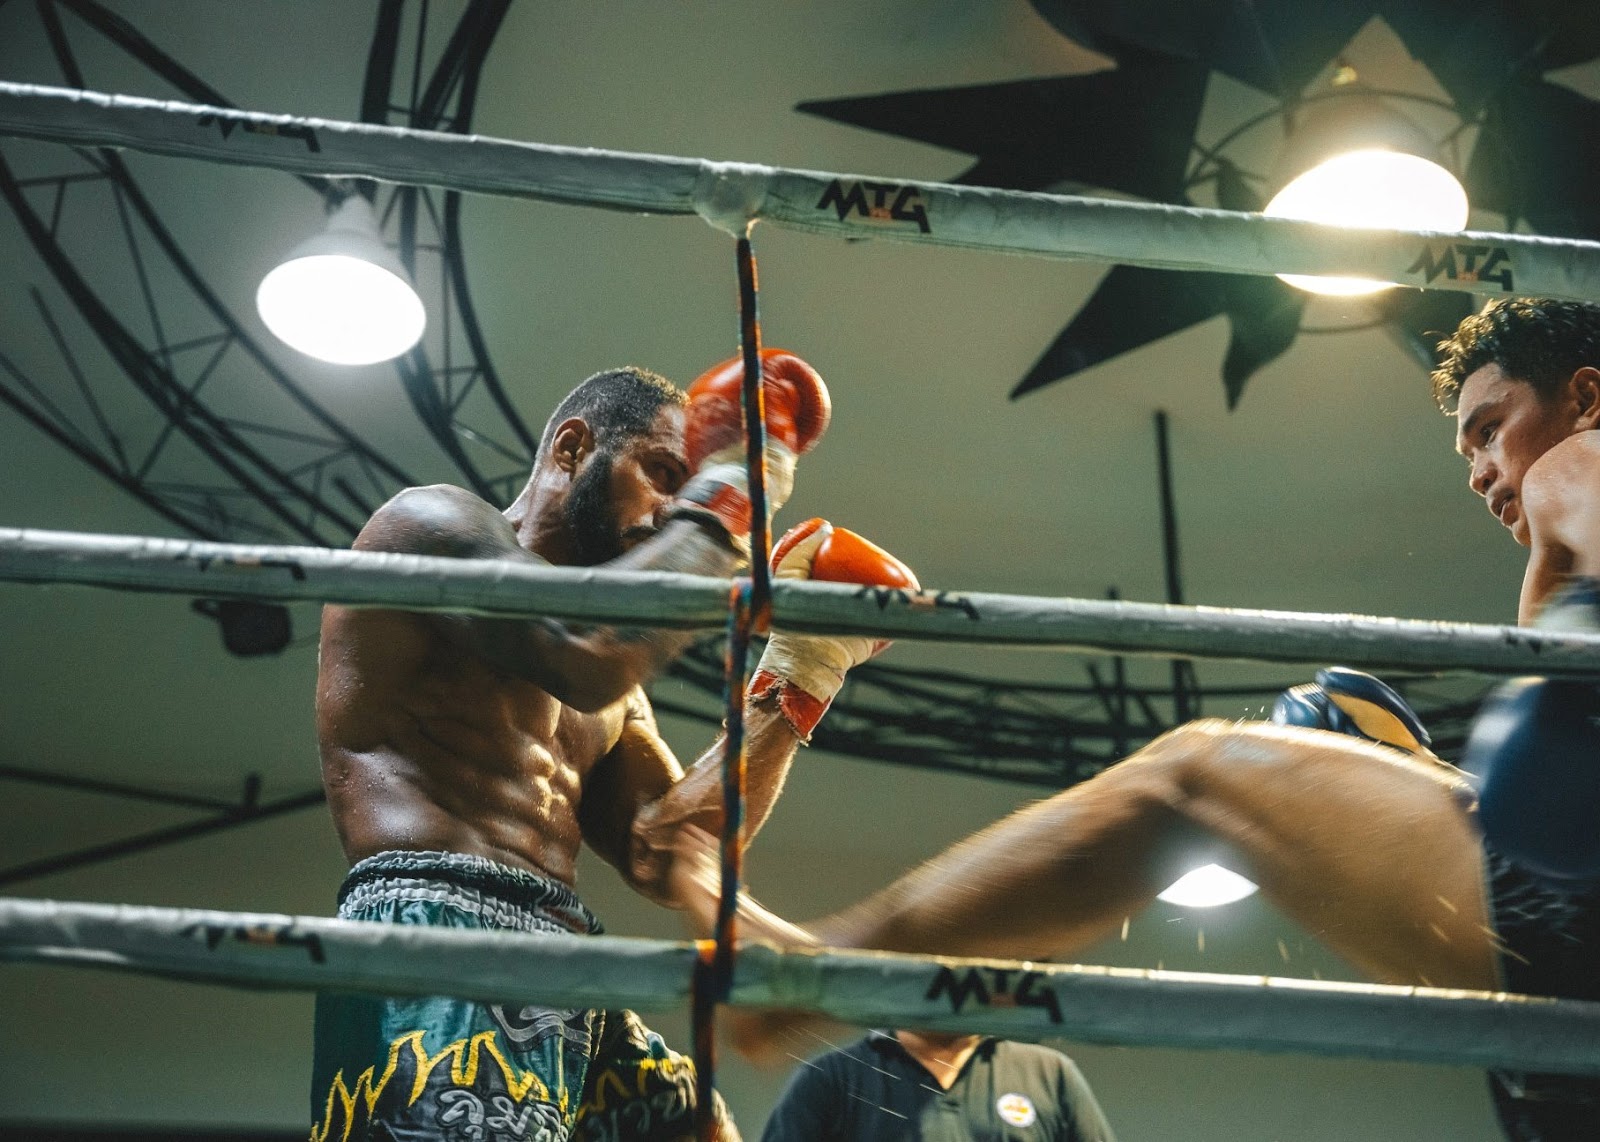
[1017, 1109]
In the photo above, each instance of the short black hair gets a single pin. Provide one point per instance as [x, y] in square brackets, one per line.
[617, 405]
[1538, 340]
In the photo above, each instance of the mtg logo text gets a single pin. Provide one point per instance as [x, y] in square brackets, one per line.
[876, 202]
[226, 127]
[268, 935]
[1464, 262]
[995, 987]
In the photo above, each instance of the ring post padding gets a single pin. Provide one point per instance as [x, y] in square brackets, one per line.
[660, 599]
[732, 195]
[1009, 999]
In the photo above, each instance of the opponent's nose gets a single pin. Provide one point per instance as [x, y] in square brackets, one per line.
[1482, 476]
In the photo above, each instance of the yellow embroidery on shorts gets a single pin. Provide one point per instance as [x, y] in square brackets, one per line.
[465, 1057]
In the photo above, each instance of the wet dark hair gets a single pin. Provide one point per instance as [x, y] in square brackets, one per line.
[1539, 341]
[617, 405]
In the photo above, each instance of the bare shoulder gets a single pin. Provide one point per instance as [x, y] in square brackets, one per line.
[440, 519]
[1561, 498]
[1569, 469]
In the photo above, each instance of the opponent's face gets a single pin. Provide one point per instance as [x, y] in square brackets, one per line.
[619, 495]
[1503, 426]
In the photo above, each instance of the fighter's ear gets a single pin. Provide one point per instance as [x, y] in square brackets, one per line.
[573, 440]
[1585, 389]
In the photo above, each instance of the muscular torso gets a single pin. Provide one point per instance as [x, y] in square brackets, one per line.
[426, 746]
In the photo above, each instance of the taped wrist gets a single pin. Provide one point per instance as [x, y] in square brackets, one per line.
[806, 672]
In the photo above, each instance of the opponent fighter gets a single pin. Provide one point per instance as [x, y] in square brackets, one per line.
[1377, 852]
[465, 758]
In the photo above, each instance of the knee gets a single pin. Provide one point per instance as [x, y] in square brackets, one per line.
[1199, 756]
[1189, 747]
[1169, 771]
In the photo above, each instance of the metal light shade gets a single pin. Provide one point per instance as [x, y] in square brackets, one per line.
[1355, 161]
[343, 296]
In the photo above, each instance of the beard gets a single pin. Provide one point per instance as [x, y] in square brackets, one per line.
[589, 515]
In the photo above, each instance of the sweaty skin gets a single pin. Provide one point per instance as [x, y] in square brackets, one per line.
[1320, 821]
[517, 740]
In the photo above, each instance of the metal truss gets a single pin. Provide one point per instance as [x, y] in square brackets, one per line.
[1048, 735]
[460, 401]
[299, 475]
[219, 473]
[200, 461]
[1053, 735]
[203, 465]
[219, 815]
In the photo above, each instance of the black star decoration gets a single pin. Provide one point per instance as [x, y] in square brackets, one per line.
[1131, 130]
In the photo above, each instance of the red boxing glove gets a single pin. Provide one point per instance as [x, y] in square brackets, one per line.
[797, 413]
[806, 671]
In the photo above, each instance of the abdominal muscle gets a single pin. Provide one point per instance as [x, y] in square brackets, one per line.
[425, 748]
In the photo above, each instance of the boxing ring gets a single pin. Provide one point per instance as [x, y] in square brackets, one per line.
[1014, 1000]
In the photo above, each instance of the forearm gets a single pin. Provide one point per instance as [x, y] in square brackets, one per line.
[697, 799]
[770, 745]
[589, 667]
[696, 888]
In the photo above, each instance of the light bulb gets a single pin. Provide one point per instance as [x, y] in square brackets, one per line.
[1207, 887]
[342, 296]
[340, 308]
[1372, 188]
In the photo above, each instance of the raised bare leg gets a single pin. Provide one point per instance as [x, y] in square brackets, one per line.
[1371, 851]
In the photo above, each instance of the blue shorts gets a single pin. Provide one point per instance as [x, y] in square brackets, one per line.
[452, 1070]
[1549, 933]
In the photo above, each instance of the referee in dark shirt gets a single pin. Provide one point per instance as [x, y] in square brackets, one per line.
[931, 1087]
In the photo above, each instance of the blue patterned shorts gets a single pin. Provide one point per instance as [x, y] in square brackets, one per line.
[451, 1070]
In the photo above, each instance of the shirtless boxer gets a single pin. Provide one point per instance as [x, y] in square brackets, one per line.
[1375, 851]
[465, 758]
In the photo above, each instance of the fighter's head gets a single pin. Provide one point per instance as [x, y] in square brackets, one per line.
[610, 460]
[1520, 376]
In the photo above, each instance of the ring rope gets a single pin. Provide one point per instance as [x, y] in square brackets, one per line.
[712, 979]
[750, 609]
[1004, 998]
[666, 600]
[730, 196]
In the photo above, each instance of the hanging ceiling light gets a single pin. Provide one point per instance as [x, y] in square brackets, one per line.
[1130, 129]
[1352, 160]
[343, 296]
[1207, 887]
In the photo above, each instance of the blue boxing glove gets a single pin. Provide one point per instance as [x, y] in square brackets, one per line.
[1536, 749]
[1350, 702]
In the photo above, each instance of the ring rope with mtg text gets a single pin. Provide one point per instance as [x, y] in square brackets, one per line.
[666, 600]
[1009, 999]
[732, 195]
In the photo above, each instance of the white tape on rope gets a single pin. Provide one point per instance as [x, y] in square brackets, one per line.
[1015, 1000]
[660, 599]
[730, 195]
